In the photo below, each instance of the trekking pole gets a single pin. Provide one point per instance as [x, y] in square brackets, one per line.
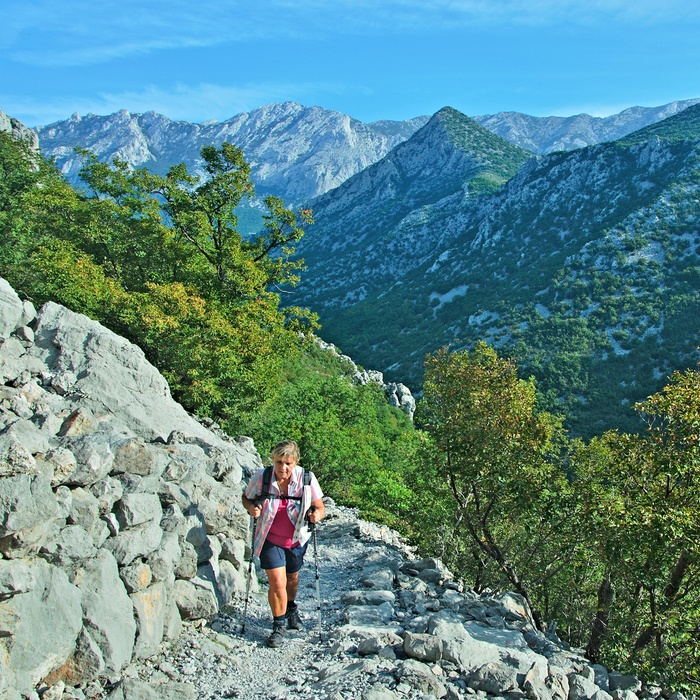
[312, 527]
[250, 573]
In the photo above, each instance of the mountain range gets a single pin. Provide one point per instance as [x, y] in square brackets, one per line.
[582, 264]
[298, 153]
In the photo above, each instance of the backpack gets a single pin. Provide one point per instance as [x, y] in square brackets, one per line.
[267, 480]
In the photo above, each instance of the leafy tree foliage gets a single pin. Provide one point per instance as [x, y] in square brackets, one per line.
[601, 537]
[361, 448]
[496, 458]
[159, 260]
[643, 520]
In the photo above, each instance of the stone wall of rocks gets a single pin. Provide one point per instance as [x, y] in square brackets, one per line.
[120, 514]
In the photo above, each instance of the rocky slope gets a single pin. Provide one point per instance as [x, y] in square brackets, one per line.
[295, 152]
[583, 264]
[392, 627]
[351, 249]
[119, 513]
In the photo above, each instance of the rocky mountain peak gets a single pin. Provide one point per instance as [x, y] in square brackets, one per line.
[18, 130]
[449, 158]
[295, 152]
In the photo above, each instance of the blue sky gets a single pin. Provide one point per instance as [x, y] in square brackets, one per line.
[372, 59]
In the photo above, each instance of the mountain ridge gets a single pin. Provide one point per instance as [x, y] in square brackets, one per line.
[515, 266]
[297, 152]
[451, 156]
[294, 151]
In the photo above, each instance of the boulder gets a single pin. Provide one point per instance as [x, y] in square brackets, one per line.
[164, 560]
[132, 689]
[378, 578]
[134, 456]
[52, 605]
[195, 600]
[424, 647]
[25, 501]
[369, 615]
[136, 508]
[72, 546]
[494, 678]
[621, 681]
[136, 542]
[137, 576]
[11, 309]
[534, 685]
[112, 372]
[582, 688]
[469, 645]
[150, 605]
[371, 597]
[108, 612]
[93, 458]
[419, 676]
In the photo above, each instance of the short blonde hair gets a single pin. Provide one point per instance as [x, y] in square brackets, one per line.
[285, 448]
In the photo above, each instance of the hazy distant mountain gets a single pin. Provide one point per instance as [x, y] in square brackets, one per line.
[585, 266]
[546, 134]
[299, 153]
[295, 152]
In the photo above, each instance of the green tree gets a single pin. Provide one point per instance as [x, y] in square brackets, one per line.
[643, 518]
[497, 456]
[159, 260]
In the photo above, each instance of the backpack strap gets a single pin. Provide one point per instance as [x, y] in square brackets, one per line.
[267, 481]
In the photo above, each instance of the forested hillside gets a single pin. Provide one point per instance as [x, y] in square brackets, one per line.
[583, 267]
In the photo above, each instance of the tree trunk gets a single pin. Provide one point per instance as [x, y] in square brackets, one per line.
[671, 592]
[599, 626]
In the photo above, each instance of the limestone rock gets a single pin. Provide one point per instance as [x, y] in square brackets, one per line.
[494, 678]
[108, 612]
[112, 372]
[25, 501]
[151, 606]
[131, 689]
[11, 309]
[194, 601]
[51, 605]
[419, 676]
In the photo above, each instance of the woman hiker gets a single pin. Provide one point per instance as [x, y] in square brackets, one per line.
[282, 534]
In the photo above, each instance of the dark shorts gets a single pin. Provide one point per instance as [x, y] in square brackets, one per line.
[274, 557]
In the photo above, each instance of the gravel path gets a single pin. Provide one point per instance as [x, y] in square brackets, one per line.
[221, 662]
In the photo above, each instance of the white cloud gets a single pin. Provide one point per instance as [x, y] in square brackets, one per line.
[187, 102]
[79, 32]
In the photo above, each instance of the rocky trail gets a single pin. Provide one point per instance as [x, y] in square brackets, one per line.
[392, 627]
[217, 659]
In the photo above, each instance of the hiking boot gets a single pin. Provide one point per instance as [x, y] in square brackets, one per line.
[293, 619]
[277, 636]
